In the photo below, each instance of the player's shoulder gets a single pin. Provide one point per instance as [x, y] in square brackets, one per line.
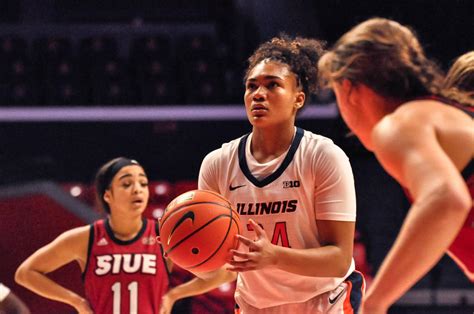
[410, 118]
[231, 145]
[408, 126]
[73, 240]
[311, 138]
[77, 232]
[319, 144]
[423, 110]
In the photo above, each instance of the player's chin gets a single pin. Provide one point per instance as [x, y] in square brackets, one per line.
[258, 115]
[138, 208]
[258, 120]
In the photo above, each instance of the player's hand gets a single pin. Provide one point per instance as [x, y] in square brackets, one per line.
[83, 307]
[260, 255]
[167, 303]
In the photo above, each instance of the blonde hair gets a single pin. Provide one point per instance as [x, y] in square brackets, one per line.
[384, 55]
[459, 82]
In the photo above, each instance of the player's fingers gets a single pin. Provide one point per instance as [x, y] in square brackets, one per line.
[241, 268]
[244, 240]
[242, 262]
[256, 227]
[240, 254]
[239, 263]
[248, 256]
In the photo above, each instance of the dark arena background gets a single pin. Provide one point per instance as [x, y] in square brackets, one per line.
[84, 81]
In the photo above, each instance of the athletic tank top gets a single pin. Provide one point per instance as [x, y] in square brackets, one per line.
[125, 276]
[285, 196]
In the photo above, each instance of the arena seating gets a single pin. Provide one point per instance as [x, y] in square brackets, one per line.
[97, 70]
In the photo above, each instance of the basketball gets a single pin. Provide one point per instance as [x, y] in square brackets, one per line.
[198, 229]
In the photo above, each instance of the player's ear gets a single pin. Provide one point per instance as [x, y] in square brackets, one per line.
[299, 100]
[107, 196]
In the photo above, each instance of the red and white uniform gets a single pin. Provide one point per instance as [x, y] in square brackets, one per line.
[125, 276]
[286, 196]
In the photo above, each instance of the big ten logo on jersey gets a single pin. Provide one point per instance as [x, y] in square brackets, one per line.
[127, 263]
[291, 184]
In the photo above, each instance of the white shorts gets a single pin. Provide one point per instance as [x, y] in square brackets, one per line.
[344, 299]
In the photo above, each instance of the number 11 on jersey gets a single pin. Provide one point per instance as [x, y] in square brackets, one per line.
[116, 290]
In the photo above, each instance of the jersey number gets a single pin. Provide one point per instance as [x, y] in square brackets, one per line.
[280, 234]
[133, 288]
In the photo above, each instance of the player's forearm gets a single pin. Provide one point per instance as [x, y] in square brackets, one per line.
[45, 287]
[429, 229]
[326, 261]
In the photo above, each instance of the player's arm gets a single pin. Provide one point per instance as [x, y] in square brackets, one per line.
[332, 259]
[202, 283]
[209, 172]
[69, 246]
[410, 152]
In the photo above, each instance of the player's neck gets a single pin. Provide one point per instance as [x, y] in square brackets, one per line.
[269, 144]
[125, 229]
[380, 107]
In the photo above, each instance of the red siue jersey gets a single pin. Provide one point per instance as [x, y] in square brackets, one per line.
[462, 248]
[123, 277]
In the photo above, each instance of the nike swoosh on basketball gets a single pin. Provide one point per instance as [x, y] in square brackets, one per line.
[236, 187]
[333, 300]
[187, 215]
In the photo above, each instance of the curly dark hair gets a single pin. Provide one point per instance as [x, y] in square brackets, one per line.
[300, 54]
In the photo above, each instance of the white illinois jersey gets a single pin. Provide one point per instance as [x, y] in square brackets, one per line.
[285, 196]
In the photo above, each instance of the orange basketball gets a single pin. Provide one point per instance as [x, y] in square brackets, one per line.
[198, 229]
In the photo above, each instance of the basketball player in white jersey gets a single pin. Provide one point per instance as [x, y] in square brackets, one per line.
[294, 191]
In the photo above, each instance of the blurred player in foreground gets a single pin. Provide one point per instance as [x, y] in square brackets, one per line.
[389, 94]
